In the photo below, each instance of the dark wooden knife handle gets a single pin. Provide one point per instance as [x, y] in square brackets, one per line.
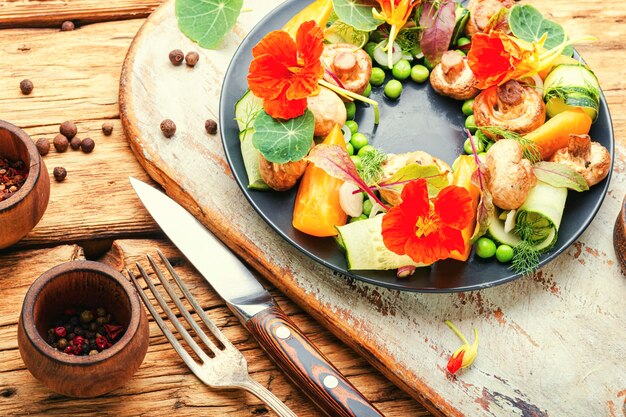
[307, 367]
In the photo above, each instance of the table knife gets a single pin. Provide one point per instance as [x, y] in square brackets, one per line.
[253, 305]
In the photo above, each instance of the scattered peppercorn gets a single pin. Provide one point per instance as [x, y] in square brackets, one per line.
[75, 142]
[59, 173]
[168, 128]
[86, 316]
[87, 145]
[68, 129]
[43, 146]
[107, 129]
[176, 57]
[192, 58]
[211, 126]
[13, 175]
[67, 26]
[26, 86]
[60, 143]
[100, 312]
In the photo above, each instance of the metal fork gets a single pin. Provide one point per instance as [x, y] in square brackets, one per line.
[228, 368]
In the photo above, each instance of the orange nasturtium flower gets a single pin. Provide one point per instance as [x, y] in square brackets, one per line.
[395, 13]
[428, 230]
[464, 356]
[284, 73]
[496, 58]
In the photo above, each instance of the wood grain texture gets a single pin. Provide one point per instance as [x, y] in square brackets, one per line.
[529, 328]
[76, 75]
[51, 13]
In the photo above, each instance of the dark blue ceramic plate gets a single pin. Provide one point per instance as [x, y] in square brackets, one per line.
[420, 120]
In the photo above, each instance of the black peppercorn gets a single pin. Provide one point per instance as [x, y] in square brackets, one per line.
[71, 336]
[211, 126]
[101, 312]
[107, 129]
[67, 26]
[59, 173]
[60, 143]
[168, 128]
[176, 57]
[43, 146]
[26, 86]
[100, 321]
[68, 129]
[93, 326]
[74, 321]
[78, 331]
[192, 58]
[75, 142]
[87, 145]
[86, 349]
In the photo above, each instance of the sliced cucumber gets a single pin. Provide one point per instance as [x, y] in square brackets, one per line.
[365, 250]
[497, 233]
[556, 105]
[381, 57]
[570, 86]
[246, 110]
[250, 156]
[340, 32]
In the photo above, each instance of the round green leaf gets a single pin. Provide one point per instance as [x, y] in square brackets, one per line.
[207, 21]
[282, 141]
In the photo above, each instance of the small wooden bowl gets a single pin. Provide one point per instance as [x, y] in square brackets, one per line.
[92, 285]
[23, 210]
[619, 237]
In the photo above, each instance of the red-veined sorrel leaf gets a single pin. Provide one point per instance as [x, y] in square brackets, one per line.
[485, 205]
[438, 20]
[560, 175]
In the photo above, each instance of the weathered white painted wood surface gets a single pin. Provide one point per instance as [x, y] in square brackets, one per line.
[551, 344]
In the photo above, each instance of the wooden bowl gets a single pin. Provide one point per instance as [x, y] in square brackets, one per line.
[619, 237]
[88, 284]
[23, 210]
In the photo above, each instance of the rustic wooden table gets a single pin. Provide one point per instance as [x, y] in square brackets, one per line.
[94, 214]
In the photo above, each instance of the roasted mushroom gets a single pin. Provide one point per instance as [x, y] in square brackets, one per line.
[281, 177]
[589, 159]
[511, 106]
[453, 77]
[509, 176]
[328, 110]
[352, 66]
[481, 12]
[396, 162]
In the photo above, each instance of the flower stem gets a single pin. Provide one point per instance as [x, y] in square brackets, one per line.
[458, 333]
[350, 94]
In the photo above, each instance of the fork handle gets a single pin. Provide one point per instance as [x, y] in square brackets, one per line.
[307, 367]
[268, 398]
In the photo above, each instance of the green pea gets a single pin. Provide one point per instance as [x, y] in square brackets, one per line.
[428, 65]
[460, 52]
[359, 140]
[402, 70]
[366, 149]
[489, 145]
[485, 248]
[350, 110]
[367, 207]
[350, 148]
[467, 147]
[369, 48]
[470, 124]
[378, 77]
[353, 126]
[468, 107]
[504, 253]
[358, 219]
[357, 161]
[419, 73]
[368, 90]
[462, 42]
[393, 89]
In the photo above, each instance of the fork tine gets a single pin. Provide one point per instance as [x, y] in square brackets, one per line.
[208, 322]
[180, 305]
[170, 314]
[189, 361]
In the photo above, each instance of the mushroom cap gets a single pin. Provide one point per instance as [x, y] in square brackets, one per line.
[396, 162]
[452, 77]
[481, 11]
[281, 177]
[350, 64]
[589, 159]
[328, 110]
[512, 106]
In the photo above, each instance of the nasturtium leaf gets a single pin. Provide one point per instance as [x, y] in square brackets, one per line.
[435, 179]
[560, 176]
[282, 141]
[527, 23]
[357, 13]
[207, 21]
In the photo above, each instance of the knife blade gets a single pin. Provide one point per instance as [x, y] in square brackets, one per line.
[253, 305]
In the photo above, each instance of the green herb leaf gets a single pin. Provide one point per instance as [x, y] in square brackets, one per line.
[531, 150]
[525, 259]
[340, 32]
[528, 24]
[282, 141]
[207, 21]
[372, 166]
[435, 179]
[357, 13]
[560, 176]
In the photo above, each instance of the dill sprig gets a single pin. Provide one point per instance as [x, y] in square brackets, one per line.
[531, 150]
[371, 170]
[526, 258]
[409, 40]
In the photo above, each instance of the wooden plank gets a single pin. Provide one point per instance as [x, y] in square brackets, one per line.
[526, 327]
[76, 76]
[51, 13]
